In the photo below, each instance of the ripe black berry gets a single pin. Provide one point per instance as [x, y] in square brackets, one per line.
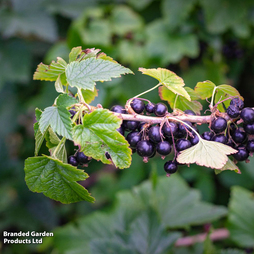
[170, 167]
[237, 102]
[150, 107]
[207, 135]
[249, 128]
[189, 112]
[118, 109]
[181, 132]
[242, 154]
[160, 109]
[247, 114]
[233, 111]
[250, 145]
[168, 128]
[138, 106]
[182, 144]
[133, 138]
[72, 113]
[219, 124]
[145, 148]
[194, 140]
[154, 134]
[121, 130]
[239, 135]
[163, 148]
[220, 138]
[73, 160]
[130, 125]
[82, 158]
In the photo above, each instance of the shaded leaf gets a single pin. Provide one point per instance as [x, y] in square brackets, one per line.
[230, 165]
[89, 95]
[59, 85]
[50, 72]
[83, 74]
[205, 89]
[51, 138]
[169, 79]
[98, 135]
[206, 153]
[55, 179]
[241, 217]
[65, 100]
[59, 151]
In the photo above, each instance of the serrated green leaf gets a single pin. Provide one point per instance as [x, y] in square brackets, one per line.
[230, 165]
[39, 137]
[169, 79]
[206, 153]
[50, 72]
[103, 56]
[59, 151]
[181, 102]
[59, 120]
[89, 95]
[51, 138]
[205, 89]
[75, 52]
[55, 179]
[241, 217]
[58, 84]
[85, 73]
[38, 113]
[98, 135]
[65, 100]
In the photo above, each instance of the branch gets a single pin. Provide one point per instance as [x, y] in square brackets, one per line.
[216, 235]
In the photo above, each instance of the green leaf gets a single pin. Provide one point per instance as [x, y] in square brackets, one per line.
[89, 95]
[59, 85]
[65, 100]
[39, 137]
[206, 153]
[75, 52]
[169, 79]
[55, 179]
[84, 74]
[98, 135]
[181, 102]
[59, 152]
[52, 139]
[205, 89]
[59, 120]
[50, 72]
[230, 165]
[241, 217]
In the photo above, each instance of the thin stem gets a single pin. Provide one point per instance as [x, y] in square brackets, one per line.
[211, 104]
[147, 91]
[175, 102]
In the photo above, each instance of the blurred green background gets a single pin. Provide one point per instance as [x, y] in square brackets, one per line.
[198, 39]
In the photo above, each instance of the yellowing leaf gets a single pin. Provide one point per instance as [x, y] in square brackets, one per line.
[206, 153]
[230, 165]
[205, 89]
[169, 79]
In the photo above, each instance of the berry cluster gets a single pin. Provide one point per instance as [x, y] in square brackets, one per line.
[79, 158]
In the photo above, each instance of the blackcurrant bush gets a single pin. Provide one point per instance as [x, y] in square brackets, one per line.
[237, 102]
[189, 112]
[242, 154]
[169, 128]
[82, 158]
[207, 135]
[145, 148]
[249, 128]
[182, 144]
[220, 138]
[154, 134]
[219, 124]
[233, 111]
[194, 140]
[170, 167]
[133, 138]
[247, 114]
[160, 109]
[150, 108]
[118, 109]
[239, 135]
[73, 160]
[163, 148]
[130, 125]
[250, 145]
[138, 106]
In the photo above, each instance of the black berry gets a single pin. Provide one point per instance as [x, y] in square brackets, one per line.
[169, 128]
[239, 135]
[237, 102]
[150, 108]
[219, 124]
[163, 148]
[194, 140]
[242, 154]
[220, 138]
[189, 112]
[170, 167]
[121, 130]
[182, 144]
[207, 135]
[82, 158]
[249, 128]
[145, 148]
[154, 134]
[72, 113]
[133, 138]
[247, 114]
[250, 145]
[130, 125]
[73, 160]
[138, 106]
[160, 109]
[233, 111]
[118, 109]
